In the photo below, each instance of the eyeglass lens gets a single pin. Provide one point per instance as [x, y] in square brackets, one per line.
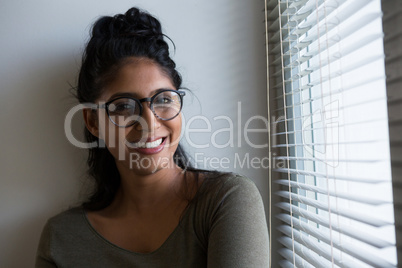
[126, 111]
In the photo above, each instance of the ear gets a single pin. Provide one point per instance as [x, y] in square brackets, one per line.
[91, 121]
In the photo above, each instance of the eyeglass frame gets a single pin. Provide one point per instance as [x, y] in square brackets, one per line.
[140, 101]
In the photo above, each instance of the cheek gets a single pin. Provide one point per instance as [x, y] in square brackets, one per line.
[110, 133]
[115, 140]
[175, 126]
[103, 121]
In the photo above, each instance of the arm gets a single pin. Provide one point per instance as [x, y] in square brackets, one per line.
[238, 236]
[43, 259]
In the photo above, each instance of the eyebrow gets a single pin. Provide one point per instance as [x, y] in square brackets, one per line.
[133, 95]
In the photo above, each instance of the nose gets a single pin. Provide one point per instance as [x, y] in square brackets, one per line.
[148, 121]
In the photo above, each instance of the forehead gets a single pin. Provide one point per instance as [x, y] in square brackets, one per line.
[138, 77]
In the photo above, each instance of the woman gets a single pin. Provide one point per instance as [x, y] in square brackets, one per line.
[149, 208]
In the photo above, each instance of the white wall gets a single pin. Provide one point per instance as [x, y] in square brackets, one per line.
[220, 53]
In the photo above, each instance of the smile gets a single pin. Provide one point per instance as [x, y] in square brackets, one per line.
[147, 145]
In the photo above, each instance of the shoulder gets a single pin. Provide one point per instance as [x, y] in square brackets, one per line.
[67, 215]
[67, 221]
[237, 228]
[229, 183]
[223, 190]
[60, 230]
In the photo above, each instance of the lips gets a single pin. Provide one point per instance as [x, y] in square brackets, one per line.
[147, 145]
[151, 146]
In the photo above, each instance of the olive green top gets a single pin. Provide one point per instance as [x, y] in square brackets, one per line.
[224, 226]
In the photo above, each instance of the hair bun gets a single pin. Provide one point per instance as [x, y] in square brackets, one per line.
[134, 22]
[141, 19]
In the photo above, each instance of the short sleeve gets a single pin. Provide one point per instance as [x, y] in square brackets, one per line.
[43, 256]
[239, 234]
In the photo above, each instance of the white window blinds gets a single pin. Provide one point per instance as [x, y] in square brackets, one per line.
[332, 202]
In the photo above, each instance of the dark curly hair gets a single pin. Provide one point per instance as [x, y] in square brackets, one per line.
[113, 41]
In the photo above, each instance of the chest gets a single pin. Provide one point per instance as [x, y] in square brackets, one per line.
[142, 233]
[88, 247]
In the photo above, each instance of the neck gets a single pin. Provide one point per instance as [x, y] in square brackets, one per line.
[143, 192]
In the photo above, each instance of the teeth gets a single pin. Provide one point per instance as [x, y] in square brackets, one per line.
[148, 145]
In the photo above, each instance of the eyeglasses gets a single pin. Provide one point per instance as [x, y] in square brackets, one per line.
[126, 111]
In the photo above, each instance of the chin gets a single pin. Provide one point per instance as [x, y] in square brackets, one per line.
[148, 164]
[145, 171]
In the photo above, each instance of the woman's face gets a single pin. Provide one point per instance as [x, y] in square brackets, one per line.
[148, 145]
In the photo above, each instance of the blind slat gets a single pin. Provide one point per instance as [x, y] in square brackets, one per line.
[346, 230]
[329, 176]
[305, 243]
[274, 23]
[329, 160]
[346, 196]
[333, 58]
[286, 264]
[271, 4]
[311, 25]
[343, 89]
[328, 42]
[338, 126]
[345, 212]
[299, 12]
[303, 260]
[332, 75]
[346, 248]
[315, 57]
[289, 145]
[343, 107]
[317, 15]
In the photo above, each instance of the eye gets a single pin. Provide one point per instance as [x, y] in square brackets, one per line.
[163, 99]
[122, 107]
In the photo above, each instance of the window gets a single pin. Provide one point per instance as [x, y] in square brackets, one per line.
[332, 197]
